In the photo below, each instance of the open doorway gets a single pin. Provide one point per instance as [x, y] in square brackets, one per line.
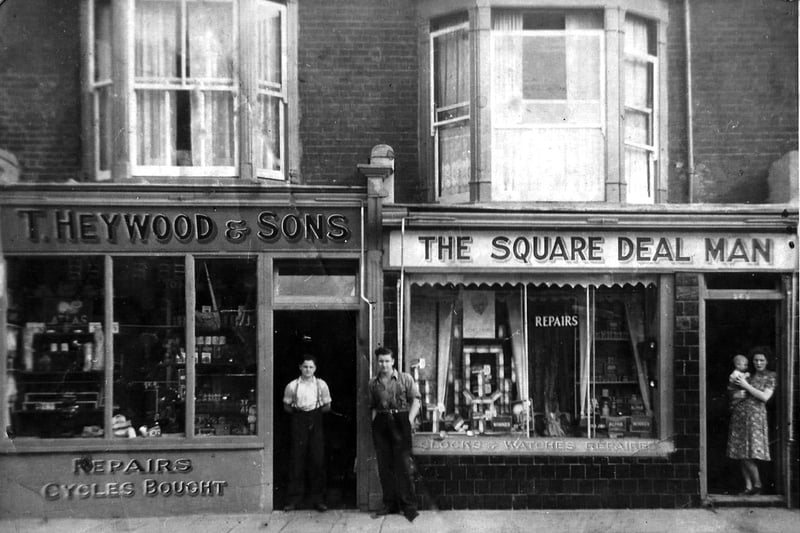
[734, 327]
[331, 337]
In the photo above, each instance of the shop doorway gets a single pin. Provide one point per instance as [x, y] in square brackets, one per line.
[734, 327]
[331, 337]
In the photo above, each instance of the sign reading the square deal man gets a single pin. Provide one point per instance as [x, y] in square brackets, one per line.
[554, 250]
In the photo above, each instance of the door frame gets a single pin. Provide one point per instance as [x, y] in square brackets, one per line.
[269, 304]
[784, 348]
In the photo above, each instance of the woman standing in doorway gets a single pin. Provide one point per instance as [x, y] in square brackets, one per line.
[748, 439]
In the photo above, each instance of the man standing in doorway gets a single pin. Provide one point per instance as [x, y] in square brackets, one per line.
[305, 399]
[394, 400]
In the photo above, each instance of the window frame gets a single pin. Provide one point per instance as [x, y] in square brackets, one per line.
[479, 13]
[244, 86]
[184, 82]
[437, 125]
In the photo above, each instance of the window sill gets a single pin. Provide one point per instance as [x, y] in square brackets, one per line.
[512, 445]
[77, 445]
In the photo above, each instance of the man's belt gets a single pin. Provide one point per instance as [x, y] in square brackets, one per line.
[392, 411]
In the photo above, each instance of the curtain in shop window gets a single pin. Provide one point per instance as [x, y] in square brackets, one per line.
[634, 315]
[447, 309]
[514, 306]
[584, 316]
[542, 80]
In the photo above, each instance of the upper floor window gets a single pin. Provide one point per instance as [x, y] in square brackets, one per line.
[201, 91]
[573, 105]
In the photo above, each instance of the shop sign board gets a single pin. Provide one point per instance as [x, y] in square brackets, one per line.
[178, 229]
[566, 250]
[126, 483]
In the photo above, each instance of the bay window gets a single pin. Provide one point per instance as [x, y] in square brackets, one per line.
[200, 88]
[546, 105]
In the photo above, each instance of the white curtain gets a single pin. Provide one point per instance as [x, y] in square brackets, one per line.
[531, 161]
[208, 58]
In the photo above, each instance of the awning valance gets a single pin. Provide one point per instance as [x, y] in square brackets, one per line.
[484, 280]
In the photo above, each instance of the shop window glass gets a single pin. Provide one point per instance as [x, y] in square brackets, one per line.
[225, 341]
[316, 278]
[55, 384]
[150, 347]
[559, 363]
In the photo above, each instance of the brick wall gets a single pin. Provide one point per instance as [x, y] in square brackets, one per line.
[358, 87]
[744, 55]
[40, 88]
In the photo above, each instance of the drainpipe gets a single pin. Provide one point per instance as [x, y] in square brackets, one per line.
[380, 188]
[687, 25]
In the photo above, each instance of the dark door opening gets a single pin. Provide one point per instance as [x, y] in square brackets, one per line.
[331, 337]
[734, 327]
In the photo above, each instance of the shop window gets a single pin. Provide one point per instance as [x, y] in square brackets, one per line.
[192, 66]
[225, 342]
[535, 361]
[150, 346]
[56, 358]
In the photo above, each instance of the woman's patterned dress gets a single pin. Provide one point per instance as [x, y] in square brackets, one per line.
[747, 432]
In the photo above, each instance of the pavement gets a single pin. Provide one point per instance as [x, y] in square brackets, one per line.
[719, 520]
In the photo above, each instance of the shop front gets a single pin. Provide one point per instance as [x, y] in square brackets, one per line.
[566, 359]
[149, 335]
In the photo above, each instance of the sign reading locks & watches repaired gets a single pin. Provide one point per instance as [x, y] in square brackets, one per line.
[122, 228]
[610, 250]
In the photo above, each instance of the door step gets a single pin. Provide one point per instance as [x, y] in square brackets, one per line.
[733, 500]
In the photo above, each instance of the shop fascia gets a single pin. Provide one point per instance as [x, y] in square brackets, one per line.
[484, 256]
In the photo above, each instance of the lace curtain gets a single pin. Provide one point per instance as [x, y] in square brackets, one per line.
[184, 93]
[547, 142]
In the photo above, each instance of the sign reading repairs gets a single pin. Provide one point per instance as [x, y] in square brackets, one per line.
[561, 249]
[141, 481]
[68, 228]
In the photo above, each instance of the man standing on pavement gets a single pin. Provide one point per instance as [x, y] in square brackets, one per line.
[305, 399]
[394, 400]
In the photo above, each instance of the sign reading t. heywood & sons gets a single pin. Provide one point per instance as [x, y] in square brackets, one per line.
[180, 229]
[609, 250]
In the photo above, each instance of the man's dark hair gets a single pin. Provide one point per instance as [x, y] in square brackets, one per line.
[383, 350]
[308, 357]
